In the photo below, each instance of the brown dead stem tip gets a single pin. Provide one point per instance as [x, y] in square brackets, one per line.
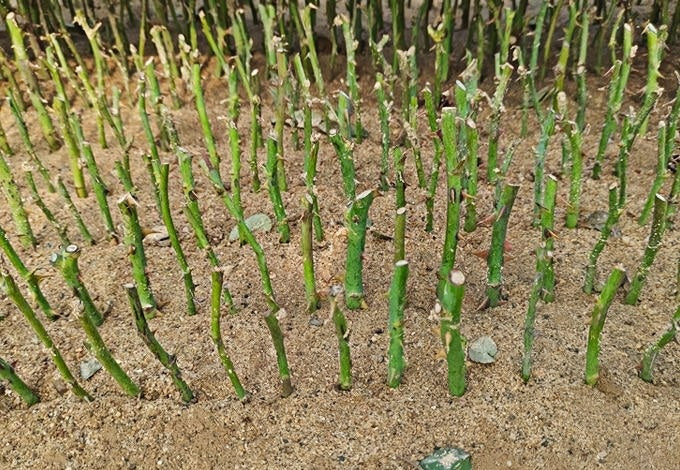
[128, 199]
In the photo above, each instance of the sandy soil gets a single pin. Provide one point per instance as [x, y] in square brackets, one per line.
[553, 422]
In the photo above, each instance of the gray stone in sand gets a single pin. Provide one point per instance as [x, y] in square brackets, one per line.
[256, 223]
[89, 368]
[447, 458]
[483, 350]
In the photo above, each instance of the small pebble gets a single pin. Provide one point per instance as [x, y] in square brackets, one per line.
[483, 350]
[89, 368]
[315, 321]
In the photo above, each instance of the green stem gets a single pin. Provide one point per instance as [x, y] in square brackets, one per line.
[167, 360]
[342, 332]
[660, 176]
[189, 286]
[133, 238]
[101, 191]
[356, 219]
[270, 319]
[454, 190]
[530, 320]
[396, 362]
[599, 316]
[38, 201]
[217, 281]
[308, 254]
[547, 130]
[545, 260]
[503, 79]
[436, 159]
[449, 305]
[653, 350]
[66, 262]
[653, 244]
[82, 228]
[570, 128]
[494, 260]
[19, 386]
[12, 291]
[400, 221]
[274, 190]
[16, 206]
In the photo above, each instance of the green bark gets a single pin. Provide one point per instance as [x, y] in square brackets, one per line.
[599, 316]
[356, 219]
[167, 360]
[189, 286]
[494, 260]
[217, 280]
[134, 239]
[11, 290]
[396, 363]
[19, 386]
[342, 332]
[66, 262]
[16, 205]
[449, 304]
[653, 350]
[653, 244]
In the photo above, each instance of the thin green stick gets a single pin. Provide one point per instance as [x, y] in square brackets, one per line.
[653, 244]
[23, 63]
[307, 245]
[599, 316]
[11, 290]
[384, 110]
[660, 175]
[530, 320]
[356, 219]
[503, 78]
[15, 383]
[199, 101]
[38, 201]
[16, 206]
[400, 199]
[436, 159]
[653, 350]
[30, 277]
[620, 72]
[454, 192]
[217, 282]
[167, 360]
[613, 215]
[133, 238]
[545, 255]
[396, 363]
[270, 319]
[570, 128]
[494, 260]
[547, 130]
[448, 307]
[273, 182]
[66, 262]
[342, 332]
[80, 223]
[97, 346]
[166, 215]
[101, 191]
[191, 208]
[26, 139]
